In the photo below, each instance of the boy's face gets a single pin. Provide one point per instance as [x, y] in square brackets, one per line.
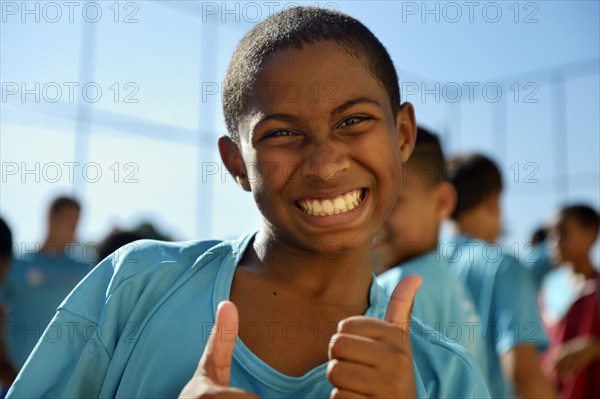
[570, 240]
[411, 228]
[63, 224]
[321, 149]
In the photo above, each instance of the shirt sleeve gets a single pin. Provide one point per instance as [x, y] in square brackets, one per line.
[70, 359]
[516, 318]
[73, 357]
[444, 369]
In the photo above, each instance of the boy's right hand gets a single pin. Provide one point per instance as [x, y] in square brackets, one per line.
[212, 377]
[373, 358]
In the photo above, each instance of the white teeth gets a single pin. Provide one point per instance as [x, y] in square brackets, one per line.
[328, 207]
[317, 208]
[349, 201]
[341, 204]
[308, 208]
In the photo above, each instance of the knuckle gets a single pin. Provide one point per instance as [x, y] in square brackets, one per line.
[349, 324]
[334, 371]
[339, 345]
[344, 325]
[400, 357]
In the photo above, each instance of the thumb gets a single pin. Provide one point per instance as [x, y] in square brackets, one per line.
[216, 359]
[401, 302]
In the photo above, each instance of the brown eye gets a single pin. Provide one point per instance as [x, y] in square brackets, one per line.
[281, 133]
[353, 120]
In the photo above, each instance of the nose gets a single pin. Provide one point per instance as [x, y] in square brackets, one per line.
[326, 160]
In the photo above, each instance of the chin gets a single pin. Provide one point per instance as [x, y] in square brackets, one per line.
[339, 243]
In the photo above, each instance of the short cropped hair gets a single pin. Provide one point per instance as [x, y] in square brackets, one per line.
[474, 177]
[585, 216]
[6, 241]
[295, 28]
[61, 203]
[427, 159]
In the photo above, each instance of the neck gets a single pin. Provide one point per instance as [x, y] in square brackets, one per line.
[471, 225]
[583, 267]
[340, 277]
[432, 246]
[53, 246]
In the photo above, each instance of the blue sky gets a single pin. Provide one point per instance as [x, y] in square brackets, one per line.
[152, 131]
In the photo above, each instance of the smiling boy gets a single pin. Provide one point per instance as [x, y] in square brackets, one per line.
[324, 171]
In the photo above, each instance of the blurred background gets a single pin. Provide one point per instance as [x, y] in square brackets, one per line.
[118, 103]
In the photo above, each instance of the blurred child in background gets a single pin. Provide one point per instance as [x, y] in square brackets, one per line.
[38, 281]
[573, 321]
[118, 238]
[503, 290]
[407, 243]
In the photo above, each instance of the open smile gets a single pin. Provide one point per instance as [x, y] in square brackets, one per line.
[343, 203]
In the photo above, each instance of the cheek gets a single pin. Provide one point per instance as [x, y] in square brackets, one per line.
[387, 192]
[277, 168]
[567, 246]
[579, 244]
[261, 175]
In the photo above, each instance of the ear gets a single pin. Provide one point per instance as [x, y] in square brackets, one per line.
[232, 158]
[445, 200]
[406, 127]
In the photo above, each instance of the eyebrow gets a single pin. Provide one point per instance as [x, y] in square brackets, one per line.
[354, 101]
[291, 118]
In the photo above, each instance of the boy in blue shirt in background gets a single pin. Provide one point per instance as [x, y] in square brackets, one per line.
[37, 282]
[295, 310]
[503, 290]
[407, 243]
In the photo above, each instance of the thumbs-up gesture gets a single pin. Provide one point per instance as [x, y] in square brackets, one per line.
[373, 358]
[212, 377]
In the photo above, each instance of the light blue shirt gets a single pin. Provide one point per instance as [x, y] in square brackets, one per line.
[442, 302]
[137, 326]
[35, 285]
[506, 300]
[538, 262]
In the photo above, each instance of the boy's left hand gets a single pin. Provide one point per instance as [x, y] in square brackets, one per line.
[371, 357]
